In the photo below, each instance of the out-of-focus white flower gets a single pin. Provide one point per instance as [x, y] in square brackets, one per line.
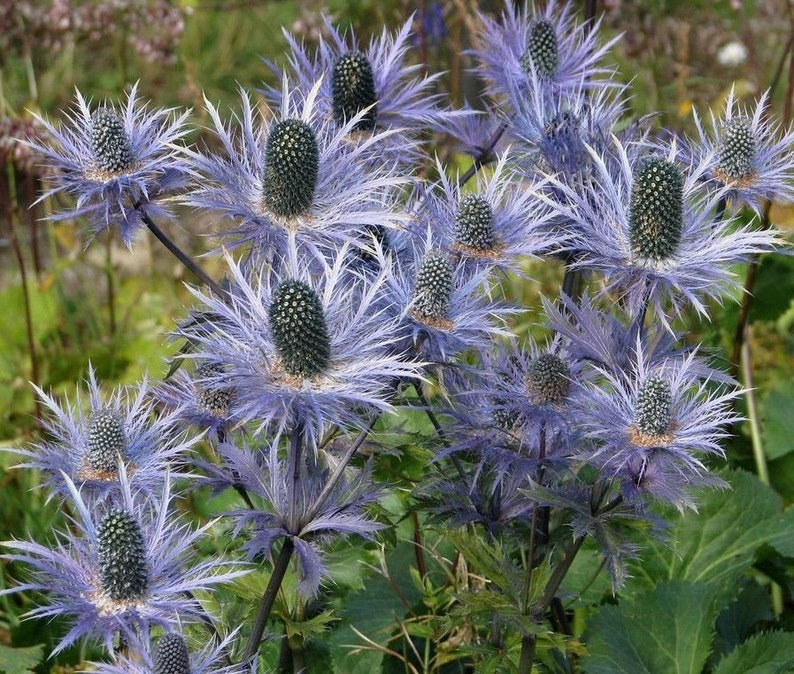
[732, 54]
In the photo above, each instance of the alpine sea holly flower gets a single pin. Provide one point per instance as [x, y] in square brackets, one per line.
[609, 341]
[293, 502]
[645, 223]
[194, 403]
[442, 306]
[171, 655]
[86, 443]
[751, 157]
[540, 49]
[551, 129]
[117, 163]
[497, 225]
[307, 341]
[290, 178]
[124, 566]
[374, 82]
[653, 426]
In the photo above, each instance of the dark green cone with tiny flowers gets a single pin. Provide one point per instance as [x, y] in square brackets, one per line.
[474, 222]
[213, 401]
[122, 556]
[109, 142]
[736, 153]
[171, 656]
[292, 160]
[542, 52]
[548, 379]
[657, 209]
[652, 416]
[353, 90]
[106, 441]
[297, 324]
[433, 287]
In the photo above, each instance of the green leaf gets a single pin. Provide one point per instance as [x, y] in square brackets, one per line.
[374, 610]
[665, 631]
[20, 660]
[718, 543]
[770, 653]
[774, 288]
[777, 422]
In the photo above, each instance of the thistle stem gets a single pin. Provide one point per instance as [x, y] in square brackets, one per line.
[269, 599]
[486, 155]
[180, 255]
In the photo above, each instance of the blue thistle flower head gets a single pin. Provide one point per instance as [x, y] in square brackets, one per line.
[293, 177]
[89, 440]
[540, 49]
[646, 224]
[172, 654]
[196, 404]
[652, 427]
[116, 162]
[372, 85]
[123, 567]
[495, 226]
[309, 341]
[442, 306]
[553, 129]
[748, 154]
[286, 507]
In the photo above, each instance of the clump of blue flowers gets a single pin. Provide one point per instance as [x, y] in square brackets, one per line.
[359, 293]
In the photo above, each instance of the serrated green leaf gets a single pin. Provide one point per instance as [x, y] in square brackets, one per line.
[665, 631]
[20, 660]
[718, 543]
[770, 653]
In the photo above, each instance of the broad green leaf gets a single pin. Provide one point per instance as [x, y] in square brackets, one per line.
[665, 631]
[20, 660]
[719, 542]
[373, 611]
[774, 288]
[770, 653]
[777, 422]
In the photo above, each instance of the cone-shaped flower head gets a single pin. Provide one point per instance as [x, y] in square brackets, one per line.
[433, 287]
[214, 402]
[474, 222]
[548, 379]
[291, 165]
[106, 441]
[656, 211]
[110, 142]
[736, 152]
[171, 656]
[653, 416]
[542, 49]
[300, 334]
[122, 556]
[353, 91]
